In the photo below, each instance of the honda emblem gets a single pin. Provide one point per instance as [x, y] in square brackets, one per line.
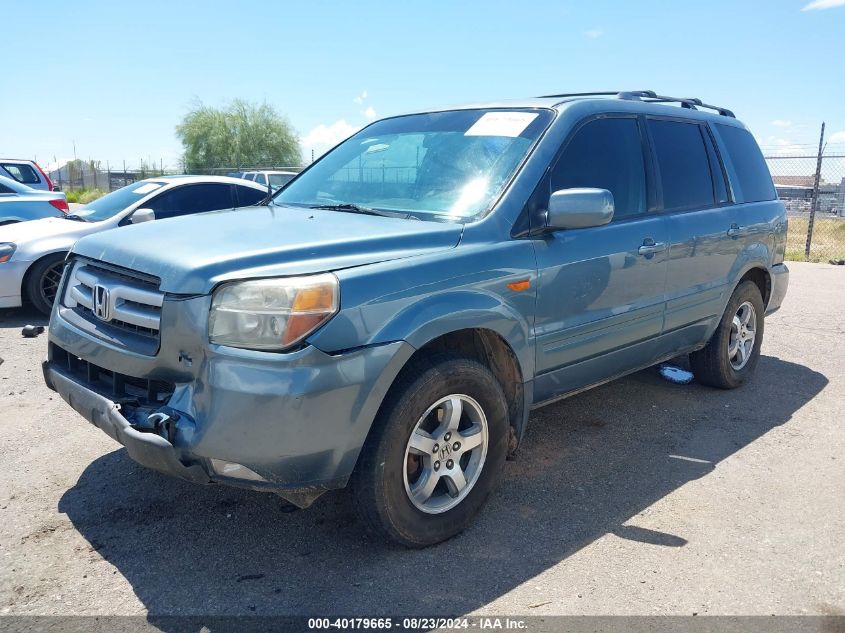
[102, 306]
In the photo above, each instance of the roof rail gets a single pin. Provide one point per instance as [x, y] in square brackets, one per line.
[650, 97]
[686, 102]
[609, 93]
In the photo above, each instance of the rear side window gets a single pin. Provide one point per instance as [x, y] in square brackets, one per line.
[189, 199]
[606, 154]
[260, 179]
[22, 173]
[683, 165]
[248, 196]
[755, 181]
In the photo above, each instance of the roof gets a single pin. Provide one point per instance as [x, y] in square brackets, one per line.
[194, 178]
[621, 101]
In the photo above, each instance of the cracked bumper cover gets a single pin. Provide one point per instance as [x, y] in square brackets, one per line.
[297, 420]
[148, 449]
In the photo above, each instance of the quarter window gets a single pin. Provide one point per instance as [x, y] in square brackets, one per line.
[606, 154]
[683, 165]
[248, 196]
[755, 181]
[22, 173]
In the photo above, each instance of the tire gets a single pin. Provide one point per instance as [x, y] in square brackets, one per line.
[390, 468]
[42, 281]
[722, 363]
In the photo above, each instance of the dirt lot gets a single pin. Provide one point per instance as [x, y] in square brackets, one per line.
[640, 497]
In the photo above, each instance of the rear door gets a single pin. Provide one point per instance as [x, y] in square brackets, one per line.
[600, 300]
[704, 234]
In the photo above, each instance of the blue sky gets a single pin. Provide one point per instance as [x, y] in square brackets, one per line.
[116, 77]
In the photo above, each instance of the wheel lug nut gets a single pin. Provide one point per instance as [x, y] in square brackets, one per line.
[447, 437]
[436, 466]
[436, 449]
[456, 446]
[450, 463]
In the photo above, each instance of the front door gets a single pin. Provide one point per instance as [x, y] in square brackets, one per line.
[600, 300]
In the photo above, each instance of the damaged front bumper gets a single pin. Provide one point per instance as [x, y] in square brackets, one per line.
[293, 424]
[147, 447]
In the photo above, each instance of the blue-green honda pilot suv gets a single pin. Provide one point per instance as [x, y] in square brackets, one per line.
[390, 317]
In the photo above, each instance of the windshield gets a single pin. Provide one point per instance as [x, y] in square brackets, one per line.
[116, 201]
[442, 166]
[278, 180]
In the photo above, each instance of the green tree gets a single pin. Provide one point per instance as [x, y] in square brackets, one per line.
[240, 134]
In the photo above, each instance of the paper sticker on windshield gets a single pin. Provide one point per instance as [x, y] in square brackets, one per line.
[501, 124]
[150, 186]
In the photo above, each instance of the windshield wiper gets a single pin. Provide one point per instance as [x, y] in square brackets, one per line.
[356, 208]
[74, 217]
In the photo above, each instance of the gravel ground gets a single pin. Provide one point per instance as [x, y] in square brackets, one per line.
[639, 497]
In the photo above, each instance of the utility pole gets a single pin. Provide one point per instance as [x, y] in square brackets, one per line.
[815, 196]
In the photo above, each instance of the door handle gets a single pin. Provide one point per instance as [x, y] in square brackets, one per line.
[650, 247]
[737, 230]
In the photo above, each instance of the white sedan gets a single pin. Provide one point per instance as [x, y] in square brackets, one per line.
[32, 254]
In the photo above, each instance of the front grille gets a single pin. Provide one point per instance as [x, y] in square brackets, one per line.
[120, 306]
[117, 387]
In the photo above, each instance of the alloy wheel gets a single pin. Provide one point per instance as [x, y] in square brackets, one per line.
[445, 453]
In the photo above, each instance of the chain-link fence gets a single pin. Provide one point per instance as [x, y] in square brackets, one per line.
[814, 193]
[240, 172]
[77, 176]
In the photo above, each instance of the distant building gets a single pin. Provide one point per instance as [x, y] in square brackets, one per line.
[81, 174]
[796, 181]
[798, 196]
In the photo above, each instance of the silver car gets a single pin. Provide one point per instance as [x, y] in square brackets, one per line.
[19, 202]
[26, 172]
[32, 254]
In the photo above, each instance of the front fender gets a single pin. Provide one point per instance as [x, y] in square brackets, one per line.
[423, 321]
[420, 299]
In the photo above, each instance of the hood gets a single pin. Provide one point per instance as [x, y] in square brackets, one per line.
[192, 254]
[48, 231]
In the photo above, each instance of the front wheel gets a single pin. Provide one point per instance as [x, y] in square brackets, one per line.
[731, 355]
[435, 453]
[42, 281]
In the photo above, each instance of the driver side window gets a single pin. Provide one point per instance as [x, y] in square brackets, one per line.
[606, 154]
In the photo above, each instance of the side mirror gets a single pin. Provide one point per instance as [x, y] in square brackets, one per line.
[579, 208]
[142, 215]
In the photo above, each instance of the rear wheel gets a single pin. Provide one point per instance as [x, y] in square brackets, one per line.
[42, 281]
[731, 355]
[435, 454]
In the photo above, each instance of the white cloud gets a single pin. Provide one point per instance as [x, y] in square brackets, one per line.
[597, 33]
[823, 4]
[326, 136]
[360, 98]
[837, 137]
[781, 146]
[781, 123]
[369, 113]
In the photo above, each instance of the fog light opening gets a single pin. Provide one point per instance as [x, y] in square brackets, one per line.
[234, 470]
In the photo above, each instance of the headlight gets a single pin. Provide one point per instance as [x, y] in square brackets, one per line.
[271, 314]
[7, 249]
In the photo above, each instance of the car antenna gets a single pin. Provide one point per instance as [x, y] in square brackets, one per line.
[269, 192]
